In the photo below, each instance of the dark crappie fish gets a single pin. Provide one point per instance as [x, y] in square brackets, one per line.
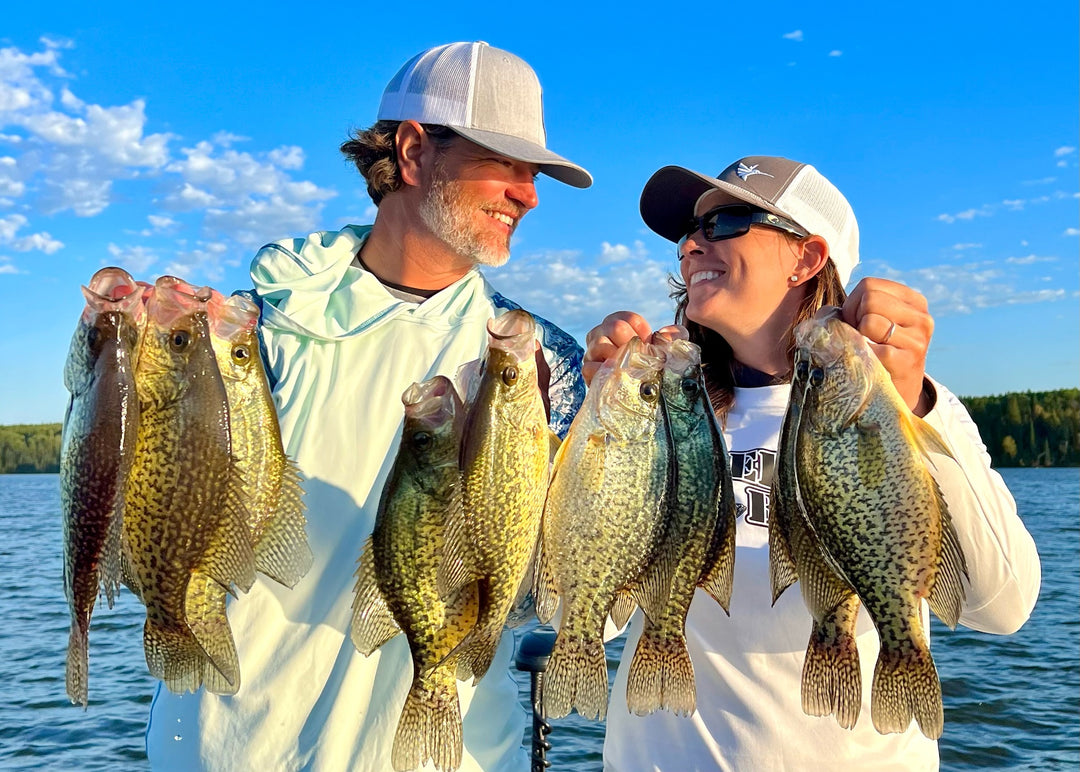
[869, 503]
[185, 526]
[603, 522]
[698, 549]
[98, 443]
[273, 496]
[397, 587]
[504, 464]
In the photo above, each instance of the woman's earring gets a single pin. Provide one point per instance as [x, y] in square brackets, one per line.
[793, 278]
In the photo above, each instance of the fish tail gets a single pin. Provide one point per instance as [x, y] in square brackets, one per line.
[831, 677]
[173, 656]
[576, 677]
[661, 675]
[430, 724]
[77, 665]
[204, 610]
[906, 684]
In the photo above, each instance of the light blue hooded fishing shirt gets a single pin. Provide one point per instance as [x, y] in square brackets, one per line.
[340, 350]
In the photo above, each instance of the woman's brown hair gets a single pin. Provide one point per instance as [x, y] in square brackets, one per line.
[718, 360]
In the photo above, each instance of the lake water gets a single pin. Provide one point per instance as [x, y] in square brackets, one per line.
[1011, 702]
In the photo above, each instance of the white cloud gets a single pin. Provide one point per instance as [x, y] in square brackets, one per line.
[1064, 151]
[64, 154]
[967, 214]
[160, 222]
[962, 289]
[795, 35]
[40, 242]
[1071, 232]
[576, 293]
[6, 266]
[836, 52]
[1029, 260]
[962, 247]
[135, 260]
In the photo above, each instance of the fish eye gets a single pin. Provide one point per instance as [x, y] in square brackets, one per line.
[241, 354]
[422, 440]
[817, 376]
[649, 392]
[802, 370]
[179, 340]
[689, 386]
[510, 375]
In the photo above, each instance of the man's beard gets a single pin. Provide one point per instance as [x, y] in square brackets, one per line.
[447, 212]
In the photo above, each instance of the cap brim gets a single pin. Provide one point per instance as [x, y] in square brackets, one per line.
[668, 199]
[554, 166]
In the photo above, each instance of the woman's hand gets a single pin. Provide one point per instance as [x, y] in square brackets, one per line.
[897, 322]
[615, 331]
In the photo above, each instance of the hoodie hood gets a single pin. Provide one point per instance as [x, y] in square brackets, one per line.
[312, 286]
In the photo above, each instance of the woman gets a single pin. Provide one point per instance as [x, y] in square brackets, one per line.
[761, 247]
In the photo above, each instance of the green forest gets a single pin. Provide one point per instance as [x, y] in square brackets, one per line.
[1040, 428]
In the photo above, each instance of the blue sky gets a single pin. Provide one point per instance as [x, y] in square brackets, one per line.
[180, 142]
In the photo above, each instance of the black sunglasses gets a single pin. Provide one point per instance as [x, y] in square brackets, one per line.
[731, 220]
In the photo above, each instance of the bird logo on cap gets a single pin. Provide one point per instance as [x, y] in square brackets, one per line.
[745, 171]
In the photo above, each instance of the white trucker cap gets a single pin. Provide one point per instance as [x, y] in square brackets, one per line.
[788, 188]
[487, 95]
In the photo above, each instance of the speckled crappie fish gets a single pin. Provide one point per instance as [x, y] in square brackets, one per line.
[98, 444]
[831, 674]
[603, 522]
[505, 457]
[397, 588]
[698, 548]
[185, 527]
[273, 497]
[871, 506]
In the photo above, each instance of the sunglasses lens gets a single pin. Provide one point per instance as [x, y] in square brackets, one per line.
[726, 222]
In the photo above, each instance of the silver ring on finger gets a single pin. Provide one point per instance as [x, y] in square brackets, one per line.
[889, 333]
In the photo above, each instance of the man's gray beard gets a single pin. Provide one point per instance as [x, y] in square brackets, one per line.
[442, 213]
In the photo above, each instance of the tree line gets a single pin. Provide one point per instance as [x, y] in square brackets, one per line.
[1034, 428]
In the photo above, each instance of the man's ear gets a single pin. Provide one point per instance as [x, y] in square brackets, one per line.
[410, 142]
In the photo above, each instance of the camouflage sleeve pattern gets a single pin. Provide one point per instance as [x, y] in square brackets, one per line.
[564, 356]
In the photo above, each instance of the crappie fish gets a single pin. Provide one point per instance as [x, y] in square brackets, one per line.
[185, 526]
[98, 442]
[273, 496]
[831, 675]
[396, 587]
[871, 506]
[603, 523]
[504, 464]
[698, 549]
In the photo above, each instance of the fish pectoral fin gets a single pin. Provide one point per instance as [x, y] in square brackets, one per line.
[372, 622]
[555, 444]
[925, 437]
[544, 591]
[622, 608]
[282, 552]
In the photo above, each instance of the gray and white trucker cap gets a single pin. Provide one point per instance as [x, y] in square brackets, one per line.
[788, 188]
[485, 94]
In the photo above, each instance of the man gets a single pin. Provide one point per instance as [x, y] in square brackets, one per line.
[349, 320]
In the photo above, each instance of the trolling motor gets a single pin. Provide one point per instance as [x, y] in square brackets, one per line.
[532, 657]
